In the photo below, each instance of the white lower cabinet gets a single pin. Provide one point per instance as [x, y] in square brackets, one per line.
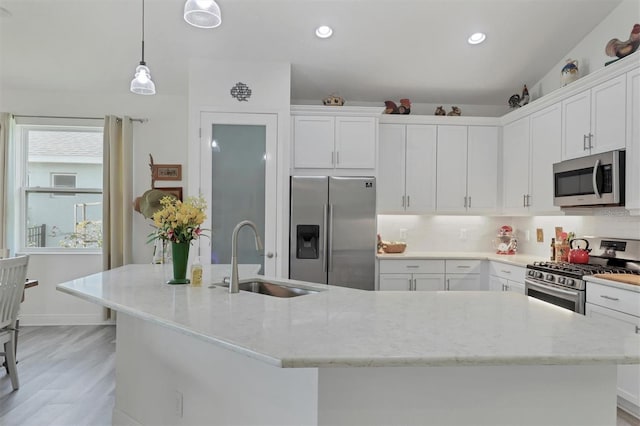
[504, 277]
[621, 309]
[431, 275]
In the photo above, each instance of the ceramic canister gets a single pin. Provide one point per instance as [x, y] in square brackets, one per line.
[569, 72]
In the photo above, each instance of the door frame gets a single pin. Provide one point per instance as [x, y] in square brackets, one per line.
[201, 184]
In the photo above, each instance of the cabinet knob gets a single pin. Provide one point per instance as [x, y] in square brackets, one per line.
[270, 255]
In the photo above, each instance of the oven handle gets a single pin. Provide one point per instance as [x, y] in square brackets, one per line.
[550, 290]
[594, 179]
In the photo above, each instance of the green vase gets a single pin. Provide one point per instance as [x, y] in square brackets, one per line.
[180, 253]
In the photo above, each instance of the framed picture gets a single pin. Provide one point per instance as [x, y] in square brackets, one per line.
[177, 191]
[167, 172]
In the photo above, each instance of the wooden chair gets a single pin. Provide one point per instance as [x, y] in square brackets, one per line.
[13, 272]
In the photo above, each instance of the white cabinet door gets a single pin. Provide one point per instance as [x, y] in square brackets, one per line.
[497, 283]
[628, 375]
[608, 115]
[428, 282]
[313, 142]
[391, 168]
[395, 282]
[452, 169]
[482, 169]
[576, 125]
[515, 287]
[632, 201]
[515, 165]
[546, 136]
[420, 188]
[468, 282]
[355, 142]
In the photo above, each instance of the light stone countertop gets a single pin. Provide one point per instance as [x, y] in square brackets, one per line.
[611, 283]
[513, 259]
[342, 327]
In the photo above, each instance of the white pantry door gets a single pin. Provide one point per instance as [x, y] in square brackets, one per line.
[238, 170]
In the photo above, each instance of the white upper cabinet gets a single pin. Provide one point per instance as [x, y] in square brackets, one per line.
[594, 120]
[515, 166]
[531, 145]
[467, 169]
[407, 168]
[334, 140]
[632, 188]
[546, 130]
[452, 170]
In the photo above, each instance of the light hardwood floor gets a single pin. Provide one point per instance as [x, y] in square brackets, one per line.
[67, 377]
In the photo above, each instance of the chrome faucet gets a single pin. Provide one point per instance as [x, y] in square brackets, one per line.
[235, 282]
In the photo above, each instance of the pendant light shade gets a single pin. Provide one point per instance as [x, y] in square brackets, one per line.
[202, 13]
[142, 83]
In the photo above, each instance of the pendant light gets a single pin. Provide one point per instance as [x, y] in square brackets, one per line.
[202, 13]
[142, 83]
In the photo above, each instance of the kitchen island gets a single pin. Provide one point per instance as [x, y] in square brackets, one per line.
[199, 355]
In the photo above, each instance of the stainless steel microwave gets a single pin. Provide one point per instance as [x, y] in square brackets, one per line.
[595, 180]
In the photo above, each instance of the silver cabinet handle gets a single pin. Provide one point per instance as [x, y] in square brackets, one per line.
[408, 200]
[415, 284]
[333, 158]
[528, 200]
[337, 157]
[410, 284]
[584, 142]
[413, 266]
[524, 200]
[637, 330]
[504, 287]
[270, 255]
[463, 266]
[505, 271]
[594, 179]
[403, 200]
[590, 137]
[448, 286]
[604, 296]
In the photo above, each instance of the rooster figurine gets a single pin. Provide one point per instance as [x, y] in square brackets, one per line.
[621, 49]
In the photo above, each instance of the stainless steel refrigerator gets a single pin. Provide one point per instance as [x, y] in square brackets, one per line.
[333, 230]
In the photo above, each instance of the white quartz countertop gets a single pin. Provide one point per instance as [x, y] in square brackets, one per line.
[611, 283]
[342, 327]
[514, 259]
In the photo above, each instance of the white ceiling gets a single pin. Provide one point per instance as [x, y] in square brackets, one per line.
[381, 49]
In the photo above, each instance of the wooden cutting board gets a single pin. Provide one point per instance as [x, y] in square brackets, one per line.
[621, 278]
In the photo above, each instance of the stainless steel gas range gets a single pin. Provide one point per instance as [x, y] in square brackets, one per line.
[562, 283]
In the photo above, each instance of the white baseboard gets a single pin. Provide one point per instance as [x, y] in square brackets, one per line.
[118, 418]
[61, 319]
[629, 407]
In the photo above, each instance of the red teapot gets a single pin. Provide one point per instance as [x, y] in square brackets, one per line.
[577, 254]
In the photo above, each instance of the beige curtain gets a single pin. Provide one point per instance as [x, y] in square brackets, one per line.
[5, 126]
[117, 210]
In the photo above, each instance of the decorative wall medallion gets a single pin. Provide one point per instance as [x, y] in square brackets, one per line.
[241, 92]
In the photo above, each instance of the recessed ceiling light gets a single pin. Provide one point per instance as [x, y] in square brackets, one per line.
[476, 38]
[324, 31]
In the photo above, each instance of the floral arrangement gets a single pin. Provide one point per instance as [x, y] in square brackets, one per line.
[177, 221]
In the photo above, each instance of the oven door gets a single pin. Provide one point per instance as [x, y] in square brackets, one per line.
[572, 300]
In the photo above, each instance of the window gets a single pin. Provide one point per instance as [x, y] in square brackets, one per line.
[59, 173]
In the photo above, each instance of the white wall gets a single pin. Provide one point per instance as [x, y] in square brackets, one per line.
[590, 51]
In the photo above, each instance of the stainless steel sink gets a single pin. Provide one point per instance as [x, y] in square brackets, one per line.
[270, 288]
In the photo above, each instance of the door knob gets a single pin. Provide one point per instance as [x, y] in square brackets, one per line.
[269, 255]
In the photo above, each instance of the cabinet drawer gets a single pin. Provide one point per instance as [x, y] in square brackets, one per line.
[510, 272]
[621, 300]
[461, 266]
[399, 266]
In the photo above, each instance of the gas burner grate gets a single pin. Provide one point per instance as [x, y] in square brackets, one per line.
[583, 269]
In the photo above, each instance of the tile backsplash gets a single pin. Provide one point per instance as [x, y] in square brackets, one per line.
[477, 233]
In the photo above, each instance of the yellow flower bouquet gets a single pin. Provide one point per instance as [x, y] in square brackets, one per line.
[179, 222]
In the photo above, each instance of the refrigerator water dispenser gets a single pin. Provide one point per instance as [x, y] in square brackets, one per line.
[307, 237]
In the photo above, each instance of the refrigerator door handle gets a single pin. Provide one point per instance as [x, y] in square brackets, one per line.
[329, 240]
[325, 214]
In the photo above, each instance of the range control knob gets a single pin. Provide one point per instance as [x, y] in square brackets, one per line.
[539, 275]
[571, 282]
[550, 277]
[561, 280]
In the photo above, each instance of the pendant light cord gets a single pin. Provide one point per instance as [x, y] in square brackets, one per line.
[142, 62]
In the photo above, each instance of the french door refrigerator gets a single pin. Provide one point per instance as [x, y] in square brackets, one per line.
[333, 230]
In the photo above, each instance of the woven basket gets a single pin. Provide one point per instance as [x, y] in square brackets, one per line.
[394, 247]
